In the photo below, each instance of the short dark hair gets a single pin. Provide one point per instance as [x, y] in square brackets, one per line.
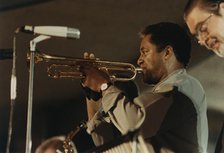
[167, 33]
[210, 5]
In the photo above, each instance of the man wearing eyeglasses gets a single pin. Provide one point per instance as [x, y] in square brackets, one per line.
[205, 20]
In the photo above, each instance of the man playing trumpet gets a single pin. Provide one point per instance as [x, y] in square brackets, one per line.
[171, 115]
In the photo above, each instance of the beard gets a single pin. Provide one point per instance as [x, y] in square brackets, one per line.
[149, 78]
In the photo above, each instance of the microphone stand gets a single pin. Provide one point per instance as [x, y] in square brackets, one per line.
[13, 93]
[30, 94]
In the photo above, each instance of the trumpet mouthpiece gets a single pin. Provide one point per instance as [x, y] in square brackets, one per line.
[138, 70]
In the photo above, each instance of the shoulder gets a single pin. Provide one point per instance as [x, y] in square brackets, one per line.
[192, 88]
[150, 97]
[188, 81]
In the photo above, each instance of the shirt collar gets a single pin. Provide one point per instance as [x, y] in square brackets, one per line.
[168, 82]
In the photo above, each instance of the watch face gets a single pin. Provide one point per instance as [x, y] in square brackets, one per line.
[104, 86]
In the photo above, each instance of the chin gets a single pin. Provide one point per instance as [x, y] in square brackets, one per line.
[220, 55]
[149, 80]
[219, 50]
[146, 80]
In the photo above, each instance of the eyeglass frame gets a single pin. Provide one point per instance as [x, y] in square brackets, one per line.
[199, 29]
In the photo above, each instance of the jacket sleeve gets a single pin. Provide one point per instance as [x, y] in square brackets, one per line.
[100, 129]
[117, 110]
[123, 113]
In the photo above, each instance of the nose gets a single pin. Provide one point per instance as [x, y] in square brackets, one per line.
[140, 60]
[201, 42]
[203, 37]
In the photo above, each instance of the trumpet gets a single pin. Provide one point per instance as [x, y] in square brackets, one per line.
[70, 67]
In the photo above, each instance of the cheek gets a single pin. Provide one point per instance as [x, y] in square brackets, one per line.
[149, 62]
[216, 29]
[220, 29]
[190, 26]
[153, 65]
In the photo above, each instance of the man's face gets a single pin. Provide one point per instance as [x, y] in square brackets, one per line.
[208, 28]
[151, 62]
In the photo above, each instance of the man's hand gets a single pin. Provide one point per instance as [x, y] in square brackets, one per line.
[94, 77]
[93, 80]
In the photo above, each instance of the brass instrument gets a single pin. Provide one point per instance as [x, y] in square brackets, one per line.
[68, 146]
[70, 67]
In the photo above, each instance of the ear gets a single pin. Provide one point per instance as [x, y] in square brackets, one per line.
[221, 8]
[168, 52]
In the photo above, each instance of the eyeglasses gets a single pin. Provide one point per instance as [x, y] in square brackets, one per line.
[202, 28]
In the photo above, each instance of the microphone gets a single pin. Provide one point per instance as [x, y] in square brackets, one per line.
[6, 54]
[57, 31]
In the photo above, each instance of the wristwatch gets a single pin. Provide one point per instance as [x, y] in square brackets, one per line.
[105, 86]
